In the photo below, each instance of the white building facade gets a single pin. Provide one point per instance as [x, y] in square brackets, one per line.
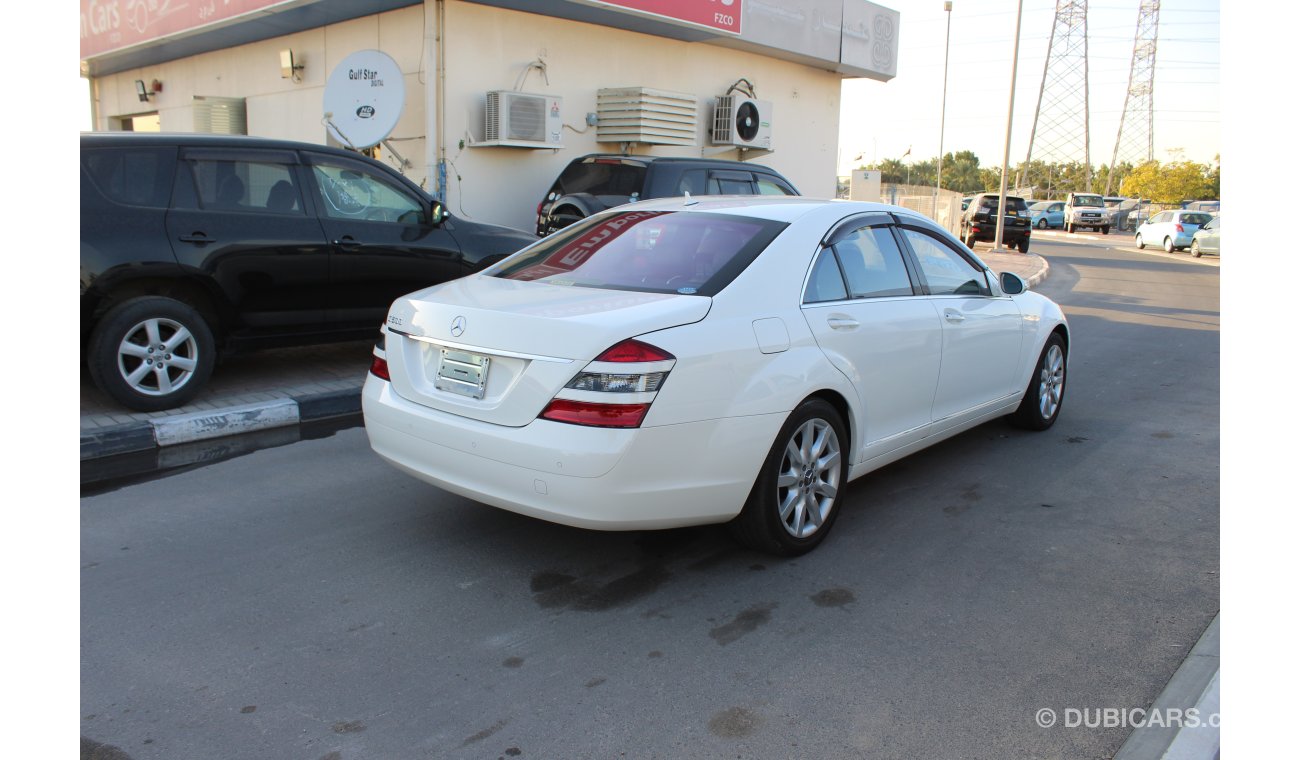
[223, 65]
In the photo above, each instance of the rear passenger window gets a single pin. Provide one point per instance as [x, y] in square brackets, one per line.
[873, 264]
[132, 176]
[246, 186]
[731, 187]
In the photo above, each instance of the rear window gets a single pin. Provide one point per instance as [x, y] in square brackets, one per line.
[1196, 218]
[647, 251]
[601, 177]
[990, 203]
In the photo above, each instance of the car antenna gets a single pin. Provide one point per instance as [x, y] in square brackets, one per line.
[689, 200]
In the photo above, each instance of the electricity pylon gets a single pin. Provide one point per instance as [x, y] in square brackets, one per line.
[1135, 142]
[1060, 132]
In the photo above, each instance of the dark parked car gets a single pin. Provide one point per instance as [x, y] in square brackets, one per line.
[195, 245]
[596, 182]
[980, 222]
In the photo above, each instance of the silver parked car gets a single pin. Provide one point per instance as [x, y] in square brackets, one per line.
[1171, 229]
[1206, 239]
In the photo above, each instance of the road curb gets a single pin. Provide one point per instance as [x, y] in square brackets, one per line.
[1194, 685]
[136, 437]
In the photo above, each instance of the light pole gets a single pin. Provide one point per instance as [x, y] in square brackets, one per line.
[943, 110]
[909, 167]
[1006, 150]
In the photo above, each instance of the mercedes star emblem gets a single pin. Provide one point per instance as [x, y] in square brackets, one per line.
[457, 327]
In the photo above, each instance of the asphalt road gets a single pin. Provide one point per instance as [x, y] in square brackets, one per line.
[308, 601]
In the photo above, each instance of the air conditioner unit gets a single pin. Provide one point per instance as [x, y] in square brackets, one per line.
[743, 122]
[523, 120]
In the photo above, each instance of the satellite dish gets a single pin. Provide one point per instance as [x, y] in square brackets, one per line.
[364, 97]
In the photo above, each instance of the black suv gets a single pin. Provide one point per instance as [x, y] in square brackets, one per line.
[596, 182]
[196, 244]
[980, 222]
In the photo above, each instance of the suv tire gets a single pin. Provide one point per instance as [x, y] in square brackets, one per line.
[122, 341]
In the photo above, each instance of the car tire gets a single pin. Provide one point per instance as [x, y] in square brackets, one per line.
[1069, 227]
[1105, 229]
[1045, 393]
[1137, 240]
[119, 346]
[1042, 224]
[1196, 249]
[1169, 245]
[1023, 245]
[969, 239]
[808, 461]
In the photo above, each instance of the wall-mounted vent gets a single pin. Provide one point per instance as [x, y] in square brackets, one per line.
[643, 115]
[522, 120]
[220, 116]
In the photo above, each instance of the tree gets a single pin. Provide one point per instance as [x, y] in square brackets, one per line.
[1172, 182]
[961, 172]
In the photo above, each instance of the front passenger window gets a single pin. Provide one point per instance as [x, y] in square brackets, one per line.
[349, 191]
[946, 272]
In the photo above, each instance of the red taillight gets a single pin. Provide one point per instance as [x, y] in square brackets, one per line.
[634, 351]
[379, 368]
[1178, 227]
[595, 415]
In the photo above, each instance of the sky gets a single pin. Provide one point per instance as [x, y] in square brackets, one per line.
[881, 120]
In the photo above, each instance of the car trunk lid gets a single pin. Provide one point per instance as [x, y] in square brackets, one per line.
[499, 350]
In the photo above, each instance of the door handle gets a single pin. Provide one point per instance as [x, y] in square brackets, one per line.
[842, 323]
[347, 243]
[197, 237]
[953, 316]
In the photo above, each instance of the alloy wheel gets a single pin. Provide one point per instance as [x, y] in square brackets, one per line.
[157, 356]
[809, 478]
[1051, 382]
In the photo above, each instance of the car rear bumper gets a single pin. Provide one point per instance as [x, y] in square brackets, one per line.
[1010, 235]
[600, 478]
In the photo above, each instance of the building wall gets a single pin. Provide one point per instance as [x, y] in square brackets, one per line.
[488, 49]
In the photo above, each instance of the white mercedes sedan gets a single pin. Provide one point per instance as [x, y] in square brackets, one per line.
[722, 360]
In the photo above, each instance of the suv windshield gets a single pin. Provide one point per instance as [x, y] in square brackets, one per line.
[1088, 200]
[647, 251]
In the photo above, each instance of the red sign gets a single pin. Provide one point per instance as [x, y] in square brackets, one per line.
[722, 15]
[108, 25]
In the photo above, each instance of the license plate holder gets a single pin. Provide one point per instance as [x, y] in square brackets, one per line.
[462, 372]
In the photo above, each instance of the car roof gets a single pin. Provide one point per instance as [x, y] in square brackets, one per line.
[783, 208]
[647, 160]
[191, 139]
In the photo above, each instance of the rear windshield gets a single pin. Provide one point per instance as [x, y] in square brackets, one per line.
[990, 202]
[1196, 218]
[647, 251]
[601, 177]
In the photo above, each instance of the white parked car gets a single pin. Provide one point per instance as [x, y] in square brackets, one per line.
[681, 362]
[1172, 230]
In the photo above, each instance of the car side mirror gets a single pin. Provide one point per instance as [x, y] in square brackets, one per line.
[437, 214]
[1011, 283]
